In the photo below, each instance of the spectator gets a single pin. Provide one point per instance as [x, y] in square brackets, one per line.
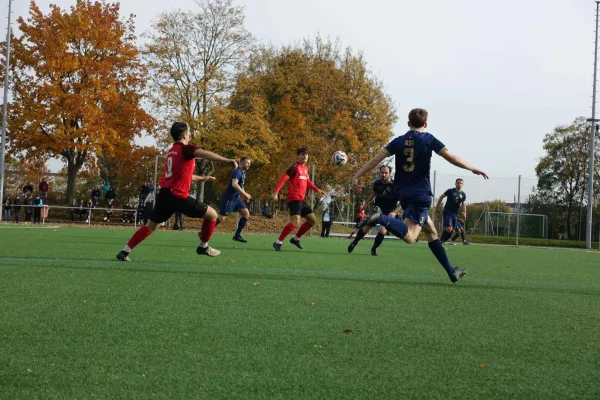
[105, 189]
[6, 208]
[79, 209]
[17, 208]
[266, 211]
[326, 223]
[43, 186]
[28, 203]
[95, 196]
[37, 209]
[110, 197]
[178, 222]
[28, 188]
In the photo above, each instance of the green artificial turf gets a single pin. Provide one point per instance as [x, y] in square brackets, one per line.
[257, 324]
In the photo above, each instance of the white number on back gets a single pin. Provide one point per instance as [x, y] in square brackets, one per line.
[169, 167]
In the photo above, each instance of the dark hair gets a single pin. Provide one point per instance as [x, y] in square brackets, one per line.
[385, 166]
[459, 179]
[301, 150]
[417, 117]
[178, 129]
[244, 159]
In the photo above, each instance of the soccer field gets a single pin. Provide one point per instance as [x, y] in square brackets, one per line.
[317, 323]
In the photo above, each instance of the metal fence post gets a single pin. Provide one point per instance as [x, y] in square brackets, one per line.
[518, 211]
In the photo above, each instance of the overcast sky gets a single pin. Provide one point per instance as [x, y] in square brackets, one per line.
[495, 76]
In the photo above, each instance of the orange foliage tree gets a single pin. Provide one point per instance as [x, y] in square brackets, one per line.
[77, 83]
[314, 95]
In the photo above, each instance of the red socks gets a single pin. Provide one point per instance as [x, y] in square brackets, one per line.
[208, 227]
[289, 228]
[139, 236]
[303, 229]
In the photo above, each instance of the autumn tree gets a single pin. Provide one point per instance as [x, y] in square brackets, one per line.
[315, 95]
[193, 56]
[77, 84]
[563, 171]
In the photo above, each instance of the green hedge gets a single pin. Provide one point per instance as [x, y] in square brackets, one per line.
[574, 244]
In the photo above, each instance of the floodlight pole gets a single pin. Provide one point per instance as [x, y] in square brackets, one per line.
[4, 111]
[590, 202]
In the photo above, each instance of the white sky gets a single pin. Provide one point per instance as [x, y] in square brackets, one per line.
[495, 76]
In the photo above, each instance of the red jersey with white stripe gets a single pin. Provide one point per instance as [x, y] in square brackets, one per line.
[297, 174]
[178, 172]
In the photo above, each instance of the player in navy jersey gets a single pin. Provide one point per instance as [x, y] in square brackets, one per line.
[231, 201]
[386, 199]
[174, 195]
[455, 200]
[413, 152]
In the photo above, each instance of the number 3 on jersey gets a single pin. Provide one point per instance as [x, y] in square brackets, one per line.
[409, 166]
[169, 167]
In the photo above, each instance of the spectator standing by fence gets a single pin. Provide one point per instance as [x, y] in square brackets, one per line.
[37, 209]
[95, 195]
[28, 188]
[28, 203]
[326, 223]
[6, 208]
[17, 208]
[43, 187]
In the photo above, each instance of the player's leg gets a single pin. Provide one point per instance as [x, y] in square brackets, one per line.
[378, 240]
[244, 216]
[209, 215]
[295, 218]
[223, 210]
[398, 227]
[447, 223]
[161, 213]
[436, 247]
[310, 220]
[360, 234]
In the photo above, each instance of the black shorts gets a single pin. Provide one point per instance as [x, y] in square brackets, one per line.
[299, 207]
[167, 204]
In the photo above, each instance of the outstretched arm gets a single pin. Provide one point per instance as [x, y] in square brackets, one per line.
[312, 187]
[197, 178]
[439, 203]
[280, 184]
[209, 155]
[373, 162]
[459, 162]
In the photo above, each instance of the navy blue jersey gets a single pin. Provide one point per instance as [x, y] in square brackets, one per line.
[230, 192]
[413, 152]
[387, 198]
[454, 199]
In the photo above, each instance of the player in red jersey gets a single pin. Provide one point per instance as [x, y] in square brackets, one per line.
[174, 195]
[297, 174]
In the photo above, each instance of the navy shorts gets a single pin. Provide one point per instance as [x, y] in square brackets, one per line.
[450, 220]
[415, 209]
[229, 205]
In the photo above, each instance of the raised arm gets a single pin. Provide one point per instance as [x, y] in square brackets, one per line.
[459, 162]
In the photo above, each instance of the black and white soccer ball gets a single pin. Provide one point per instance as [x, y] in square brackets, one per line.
[339, 158]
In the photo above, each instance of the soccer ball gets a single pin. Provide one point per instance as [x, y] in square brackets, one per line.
[339, 158]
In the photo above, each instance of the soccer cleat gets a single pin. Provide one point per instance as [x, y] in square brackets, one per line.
[351, 247]
[240, 239]
[458, 273]
[123, 256]
[296, 243]
[277, 246]
[466, 243]
[207, 251]
[452, 243]
[372, 219]
[374, 252]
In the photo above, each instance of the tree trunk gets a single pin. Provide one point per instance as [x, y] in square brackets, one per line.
[203, 168]
[74, 164]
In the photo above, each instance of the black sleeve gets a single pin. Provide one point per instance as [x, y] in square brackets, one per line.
[188, 151]
[292, 171]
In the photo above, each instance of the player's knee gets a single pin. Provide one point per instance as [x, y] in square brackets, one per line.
[210, 214]
[449, 229]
